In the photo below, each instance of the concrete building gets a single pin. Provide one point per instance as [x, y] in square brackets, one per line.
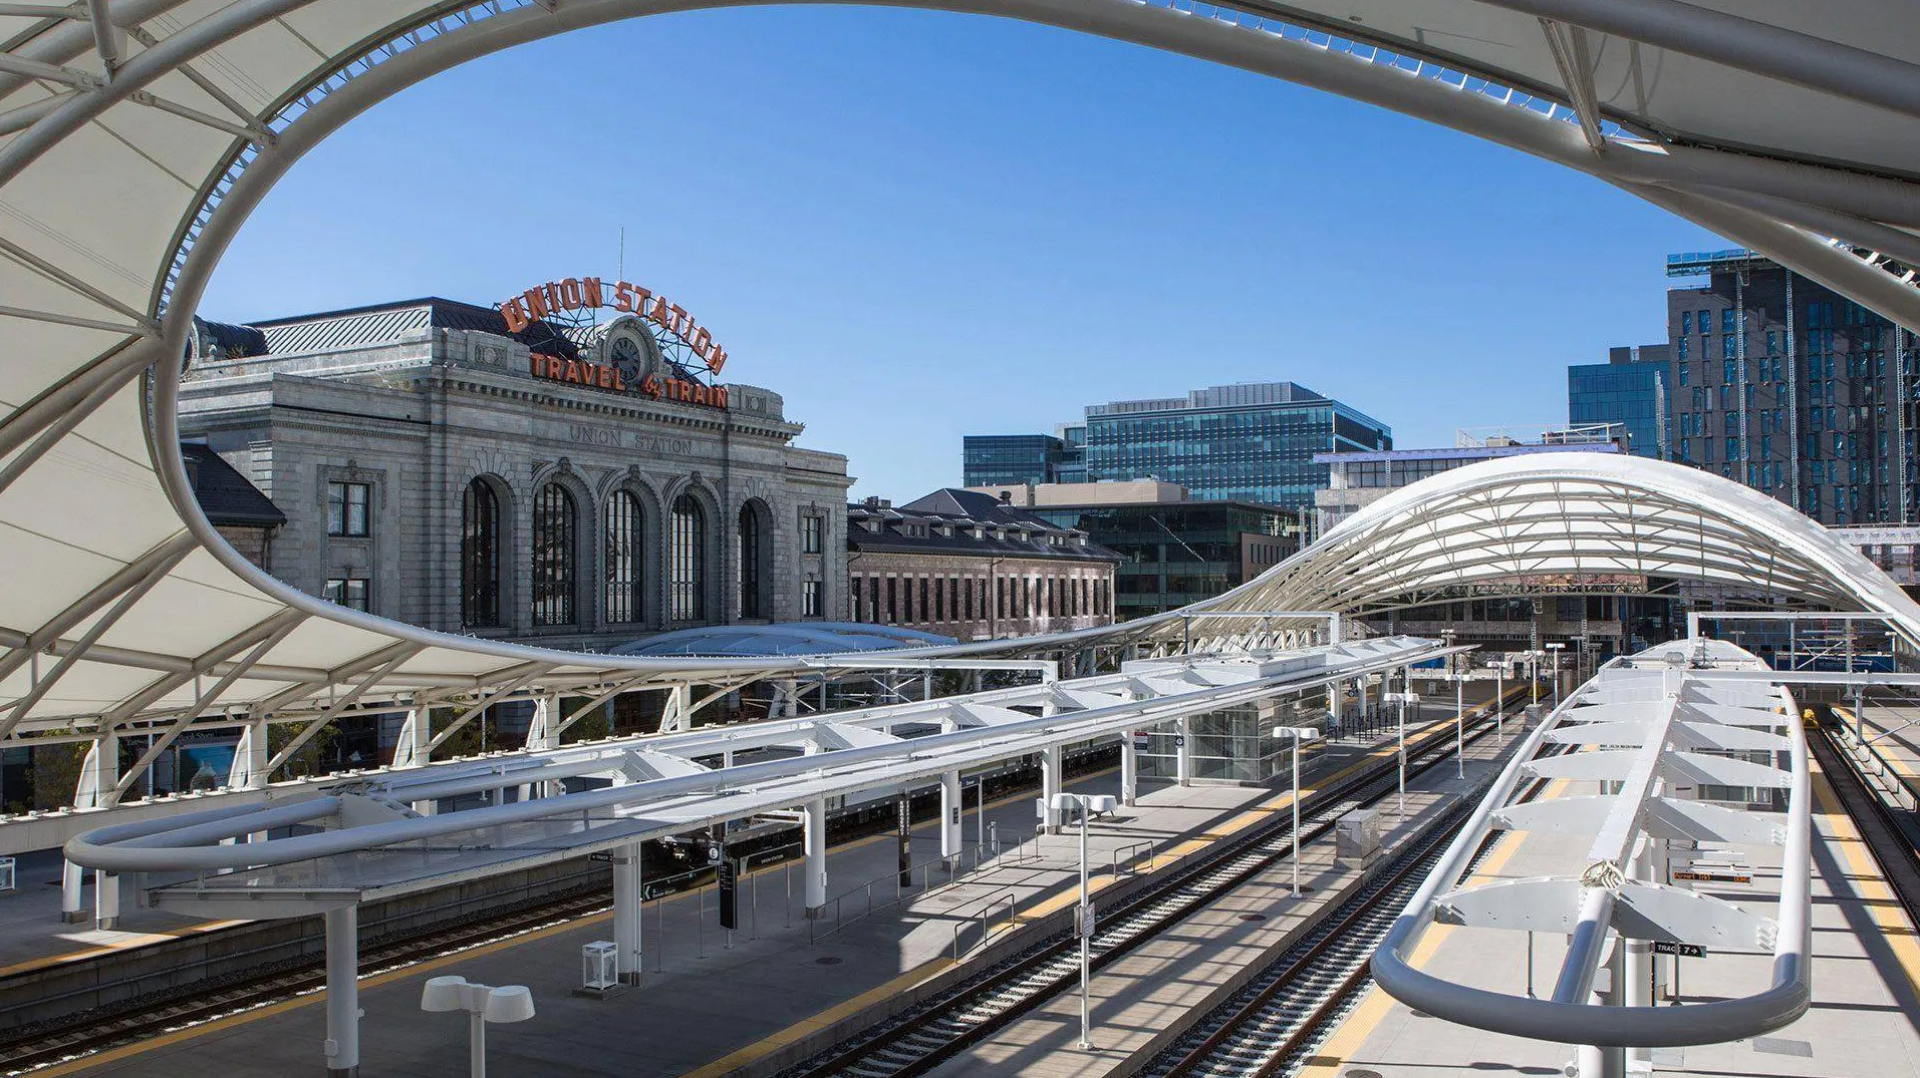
[1632, 390]
[1356, 480]
[573, 485]
[966, 565]
[1174, 550]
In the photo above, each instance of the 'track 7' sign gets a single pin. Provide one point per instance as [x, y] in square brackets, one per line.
[576, 293]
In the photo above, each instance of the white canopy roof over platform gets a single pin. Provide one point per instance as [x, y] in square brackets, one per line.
[375, 846]
[1681, 759]
[136, 136]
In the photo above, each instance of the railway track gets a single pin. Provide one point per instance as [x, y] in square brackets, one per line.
[33, 1047]
[1886, 840]
[922, 1037]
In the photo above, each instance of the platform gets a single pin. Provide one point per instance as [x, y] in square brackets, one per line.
[1136, 998]
[782, 977]
[1864, 1022]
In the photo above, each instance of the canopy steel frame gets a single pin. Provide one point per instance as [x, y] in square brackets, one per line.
[1682, 174]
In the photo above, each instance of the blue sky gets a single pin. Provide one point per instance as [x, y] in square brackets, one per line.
[918, 225]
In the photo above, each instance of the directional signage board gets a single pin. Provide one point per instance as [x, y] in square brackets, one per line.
[727, 875]
[1680, 950]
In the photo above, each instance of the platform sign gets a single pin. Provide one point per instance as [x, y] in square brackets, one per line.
[1140, 738]
[604, 857]
[906, 841]
[1698, 876]
[727, 875]
[1085, 919]
[1679, 950]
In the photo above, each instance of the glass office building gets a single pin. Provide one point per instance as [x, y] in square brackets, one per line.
[1251, 443]
[1632, 390]
[1175, 553]
[1785, 385]
[1011, 459]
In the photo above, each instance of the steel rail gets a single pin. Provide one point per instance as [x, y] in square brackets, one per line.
[1260, 849]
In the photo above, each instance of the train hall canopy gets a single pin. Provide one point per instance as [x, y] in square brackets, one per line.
[136, 136]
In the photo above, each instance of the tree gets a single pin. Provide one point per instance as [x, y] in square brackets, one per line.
[316, 757]
[56, 773]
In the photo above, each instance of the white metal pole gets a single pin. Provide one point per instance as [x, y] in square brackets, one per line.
[477, 1044]
[343, 992]
[1086, 940]
[1500, 700]
[1403, 752]
[1460, 723]
[1296, 812]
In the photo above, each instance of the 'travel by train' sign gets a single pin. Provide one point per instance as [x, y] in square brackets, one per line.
[625, 355]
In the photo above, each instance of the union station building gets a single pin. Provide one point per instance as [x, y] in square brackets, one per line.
[529, 472]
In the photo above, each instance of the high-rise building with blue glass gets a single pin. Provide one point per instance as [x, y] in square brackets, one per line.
[1253, 442]
[989, 460]
[1632, 390]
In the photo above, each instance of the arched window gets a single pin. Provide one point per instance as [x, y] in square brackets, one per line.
[479, 556]
[687, 572]
[625, 546]
[749, 562]
[554, 556]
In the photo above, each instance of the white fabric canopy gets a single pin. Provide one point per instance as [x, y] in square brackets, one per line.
[136, 136]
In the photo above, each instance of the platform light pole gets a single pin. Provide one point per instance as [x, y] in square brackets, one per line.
[1500, 699]
[1298, 734]
[1087, 805]
[1555, 650]
[1405, 700]
[1460, 721]
[1533, 677]
[483, 1003]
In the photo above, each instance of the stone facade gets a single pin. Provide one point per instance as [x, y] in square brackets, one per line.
[418, 415]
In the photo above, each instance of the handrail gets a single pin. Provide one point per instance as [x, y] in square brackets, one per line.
[1783, 1001]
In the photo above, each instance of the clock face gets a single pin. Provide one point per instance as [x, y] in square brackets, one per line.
[629, 356]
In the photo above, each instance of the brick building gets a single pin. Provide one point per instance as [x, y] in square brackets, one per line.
[967, 565]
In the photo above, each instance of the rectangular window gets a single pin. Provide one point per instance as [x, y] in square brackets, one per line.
[810, 598]
[1727, 346]
[873, 597]
[1684, 369]
[347, 509]
[1680, 346]
[350, 592]
[812, 534]
[1726, 320]
[1686, 322]
[939, 598]
[1706, 322]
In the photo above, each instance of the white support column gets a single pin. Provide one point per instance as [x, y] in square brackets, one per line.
[1183, 751]
[1333, 706]
[343, 992]
[628, 894]
[816, 854]
[1129, 769]
[1050, 784]
[411, 748]
[951, 809]
[1361, 685]
[678, 715]
[540, 736]
[99, 773]
[249, 768]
